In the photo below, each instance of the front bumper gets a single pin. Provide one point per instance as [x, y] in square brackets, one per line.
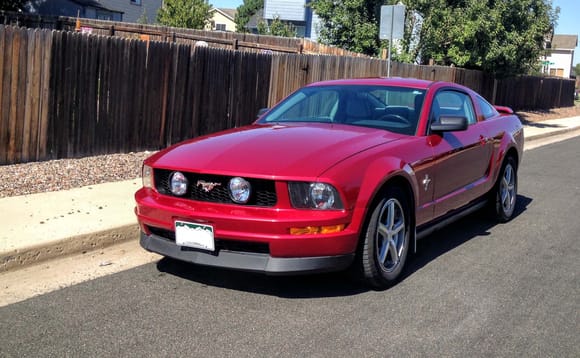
[269, 227]
[246, 261]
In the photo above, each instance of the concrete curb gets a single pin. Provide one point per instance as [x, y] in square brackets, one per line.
[20, 258]
[553, 133]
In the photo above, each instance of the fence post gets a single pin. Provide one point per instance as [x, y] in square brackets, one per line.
[112, 30]
[494, 94]
[234, 44]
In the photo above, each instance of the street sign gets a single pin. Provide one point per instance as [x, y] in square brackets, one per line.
[392, 27]
[392, 22]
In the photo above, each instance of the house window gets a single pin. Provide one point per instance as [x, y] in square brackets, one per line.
[220, 27]
[558, 72]
[136, 2]
[104, 16]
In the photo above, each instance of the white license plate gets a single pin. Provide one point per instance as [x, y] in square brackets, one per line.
[198, 236]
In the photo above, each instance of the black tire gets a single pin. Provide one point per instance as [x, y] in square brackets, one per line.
[386, 240]
[504, 194]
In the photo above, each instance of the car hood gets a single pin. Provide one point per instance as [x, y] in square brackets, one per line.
[289, 150]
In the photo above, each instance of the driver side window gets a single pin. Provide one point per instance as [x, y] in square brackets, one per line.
[452, 103]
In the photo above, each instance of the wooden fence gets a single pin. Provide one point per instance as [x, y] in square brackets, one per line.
[219, 39]
[67, 94]
[25, 58]
[115, 95]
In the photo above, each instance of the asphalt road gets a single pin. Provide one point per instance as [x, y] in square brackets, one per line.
[474, 289]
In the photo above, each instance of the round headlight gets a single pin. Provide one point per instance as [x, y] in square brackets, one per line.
[240, 190]
[178, 183]
[322, 195]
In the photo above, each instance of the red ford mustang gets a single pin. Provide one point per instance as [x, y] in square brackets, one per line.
[340, 174]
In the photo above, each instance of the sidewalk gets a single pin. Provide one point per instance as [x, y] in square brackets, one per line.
[41, 226]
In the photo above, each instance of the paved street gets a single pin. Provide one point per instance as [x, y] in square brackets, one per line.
[474, 289]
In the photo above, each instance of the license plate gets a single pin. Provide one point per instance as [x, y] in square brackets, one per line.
[198, 236]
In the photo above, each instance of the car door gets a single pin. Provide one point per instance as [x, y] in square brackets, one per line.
[462, 158]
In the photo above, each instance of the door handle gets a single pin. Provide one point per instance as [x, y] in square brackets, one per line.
[483, 140]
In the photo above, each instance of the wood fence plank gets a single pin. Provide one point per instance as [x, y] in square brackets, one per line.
[139, 96]
[28, 96]
[5, 63]
[35, 93]
[15, 121]
[55, 95]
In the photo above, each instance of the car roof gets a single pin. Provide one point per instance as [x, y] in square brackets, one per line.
[379, 81]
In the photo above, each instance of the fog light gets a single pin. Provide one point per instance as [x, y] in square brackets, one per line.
[240, 190]
[178, 183]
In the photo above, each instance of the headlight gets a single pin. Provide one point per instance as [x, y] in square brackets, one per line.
[240, 190]
[178, 183]
[320, 196]
[147, 176]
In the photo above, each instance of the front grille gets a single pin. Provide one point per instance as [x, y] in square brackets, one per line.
[263, 191]
[220, 244]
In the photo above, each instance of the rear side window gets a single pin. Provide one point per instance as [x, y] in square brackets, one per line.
[487, 109]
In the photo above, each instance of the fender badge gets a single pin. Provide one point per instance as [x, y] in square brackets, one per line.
[207, 186]
[426, 182]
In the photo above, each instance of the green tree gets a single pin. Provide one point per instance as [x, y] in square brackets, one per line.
[12, 5]
[350, 24]
[503, 37]
[577, 69]
[192, 14]
[245, 12]
[277, 28]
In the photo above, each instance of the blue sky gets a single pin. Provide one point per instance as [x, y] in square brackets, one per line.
[227, 4]
[567, 23]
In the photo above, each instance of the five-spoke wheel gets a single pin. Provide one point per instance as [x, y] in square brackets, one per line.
[386, 241]
[506, 191]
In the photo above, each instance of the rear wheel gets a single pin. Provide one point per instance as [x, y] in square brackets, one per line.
[386, 240]
[505, 191]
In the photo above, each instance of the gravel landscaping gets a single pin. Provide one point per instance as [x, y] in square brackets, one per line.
[63, 174]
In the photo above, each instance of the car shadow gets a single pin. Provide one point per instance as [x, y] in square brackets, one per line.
[336, 284]
[455, 235]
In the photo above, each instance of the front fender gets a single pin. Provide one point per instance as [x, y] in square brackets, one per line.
[361, 181]
[512, 140]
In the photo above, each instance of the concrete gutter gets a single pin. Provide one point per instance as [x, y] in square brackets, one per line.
[43, 226]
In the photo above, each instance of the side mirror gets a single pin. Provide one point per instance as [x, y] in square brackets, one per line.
[449, 124]
[261, 111]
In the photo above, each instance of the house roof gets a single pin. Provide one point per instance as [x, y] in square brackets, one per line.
[229, 13]
[564, 42]
[95, 4]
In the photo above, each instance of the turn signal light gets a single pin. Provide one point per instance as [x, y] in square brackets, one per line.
[309, 230]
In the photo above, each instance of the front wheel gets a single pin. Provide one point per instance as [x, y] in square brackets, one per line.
[505, 191]
[386, 240]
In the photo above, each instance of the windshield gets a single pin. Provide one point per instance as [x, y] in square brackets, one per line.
[395, 109]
